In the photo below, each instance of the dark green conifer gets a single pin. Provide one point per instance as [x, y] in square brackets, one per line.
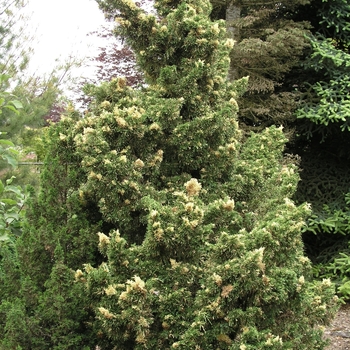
[270, 43]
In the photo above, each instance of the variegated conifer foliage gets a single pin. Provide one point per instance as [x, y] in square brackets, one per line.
[203, 247]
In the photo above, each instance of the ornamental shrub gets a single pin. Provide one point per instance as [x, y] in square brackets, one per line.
[199, 242]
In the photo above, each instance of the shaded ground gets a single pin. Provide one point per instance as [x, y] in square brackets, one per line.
[339, 330]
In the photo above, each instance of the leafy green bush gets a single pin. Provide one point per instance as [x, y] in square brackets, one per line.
[12, 198]
[7, 102]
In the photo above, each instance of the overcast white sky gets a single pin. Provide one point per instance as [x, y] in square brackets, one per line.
[61, 30]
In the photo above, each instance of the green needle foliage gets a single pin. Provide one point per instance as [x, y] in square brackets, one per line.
[323, 129]
[326, 100]
[270, 44]
[199, 244]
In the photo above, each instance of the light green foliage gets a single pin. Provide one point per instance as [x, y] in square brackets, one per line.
[8, 103]
[8, 152]
[12, 198]
[12, 201]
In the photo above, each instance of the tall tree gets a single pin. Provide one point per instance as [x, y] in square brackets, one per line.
[269, 46]
[324, 128]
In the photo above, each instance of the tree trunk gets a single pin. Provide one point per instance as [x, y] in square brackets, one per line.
[233, 12]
